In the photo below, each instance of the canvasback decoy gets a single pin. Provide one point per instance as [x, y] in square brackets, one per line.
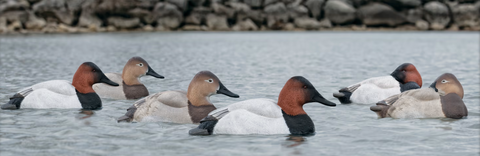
[62, 93]
[443, 99]
[265, 116]
[403, 78]
[129, 81]
[179, 106]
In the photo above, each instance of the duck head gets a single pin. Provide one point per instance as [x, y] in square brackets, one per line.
[407, 73]
[447, 83]
[88, 74]
[205, 84]
[135, 68]
[296, 92]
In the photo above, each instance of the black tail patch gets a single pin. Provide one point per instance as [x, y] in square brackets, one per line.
[128, 117]
[14, 103]
[345, 98]
[381, 109]
[206, 126]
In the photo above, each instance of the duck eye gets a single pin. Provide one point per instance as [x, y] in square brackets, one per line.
[140, 64]
[304, 87]
[209, 81]
[444, 81]
[93, 70]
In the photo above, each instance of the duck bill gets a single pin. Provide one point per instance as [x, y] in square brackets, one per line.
[322, 100]
[433, 85]
[223, 90]
[105, 80]
[151, 72]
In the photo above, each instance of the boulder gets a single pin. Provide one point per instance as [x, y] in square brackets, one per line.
[62, 10]
[436, 14]
[146, 4]
[297, 11]
[465, 15]
[123, 23]
[181, 4]
[257, 16]
[14, 16]
[276, 14]
[339, 12]
[307, 23]
[239, 7]
[11, 5]
[197, 3]
[325, 23]
[114, 7]
[3, 24]
[88, 17]
[402, 4]
[288, 27]
[268, 2]
[413, 15]
[421, 24]
[217, 22]
[220, 9]
[34, 23]
[378, 14]
[315, 7]
[167, 15]
[253, 3]
[198, 15]
[245, 25]
[14, 26]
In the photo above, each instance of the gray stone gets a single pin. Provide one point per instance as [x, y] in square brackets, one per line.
[245, 25]
[34, 23]
[289, 27]
[123, 23]
[3, 24]
[220, 9]
[166, 12]
[378, 14]
[402, 4]
[421, 24]
[437, 15]
[465, 15]
[253, 3]
[198, 15]
[276, 15]
[217, 22]
[339, 12]
[297, 11]
[11, 5]
[181, 4]
[115, 7]
[239, 7]
[88, 17]
[268, 2]
[315, 7]
[146, 4]
[325, 23]
[62, 10]
[197, 3]
[307, 23]
[413, 15]
[14, 16]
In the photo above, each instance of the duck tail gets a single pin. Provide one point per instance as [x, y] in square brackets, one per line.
[381, 108]
[343, 96]
[128, 117]
[16, 100]
[206, 126]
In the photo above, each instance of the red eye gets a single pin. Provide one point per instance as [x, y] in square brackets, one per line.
[304, 87]
[94, 70]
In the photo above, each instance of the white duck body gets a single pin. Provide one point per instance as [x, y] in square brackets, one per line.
[108, 91]
[168, 106]
[50, 94]
[374, 89]
[254, 116]
[417, 103]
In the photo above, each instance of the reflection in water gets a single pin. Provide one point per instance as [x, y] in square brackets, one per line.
[297, 140]
[84, 114]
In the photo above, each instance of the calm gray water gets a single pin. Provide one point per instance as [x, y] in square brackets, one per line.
[253, 65]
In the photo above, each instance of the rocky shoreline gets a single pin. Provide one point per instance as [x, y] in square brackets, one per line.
[79, 16]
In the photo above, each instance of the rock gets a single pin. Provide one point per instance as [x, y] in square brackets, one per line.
[325, 23]
[356, 3]
[34, 23]
[268, 2]
[123, 23]
[3, 25]
[88, 17]
[307, 23]
[220, 9]
[11, 5]
[110, 28]
[14, 26]
[194, 28]
[198, 15]
[62, 10]
[51, 27]
[289, 27]
[217, 22]
[253, 3]
[146, 4]
[277, 14]
[413, 15]
[167, 15]
[339, 12]
[453, 27]
[378, 14]
[465, 15]
[257, 16]
[315, 7]
[197, 3]
[437, 15]
[421, 24]
[402, 4]
[181, 4]
[65, 28]
[148, 28]
[114, 7]
[245, 25]
[14, 16]
[297, 11]
[239, 7]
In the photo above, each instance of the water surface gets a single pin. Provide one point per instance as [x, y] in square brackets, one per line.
[253, 65]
